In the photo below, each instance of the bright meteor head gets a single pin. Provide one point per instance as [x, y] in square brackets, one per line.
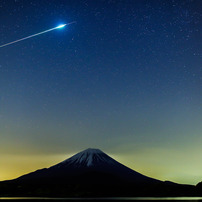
[33, 35]
[61, 26]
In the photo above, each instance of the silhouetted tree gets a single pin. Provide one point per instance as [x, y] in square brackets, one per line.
[199, 188]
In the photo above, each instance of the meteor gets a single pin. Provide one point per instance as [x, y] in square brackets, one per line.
[33, 35]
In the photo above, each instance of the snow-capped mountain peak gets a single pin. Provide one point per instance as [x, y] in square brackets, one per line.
[89, 157]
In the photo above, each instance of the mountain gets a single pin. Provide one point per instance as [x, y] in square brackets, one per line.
[90, 173]
[89, 166]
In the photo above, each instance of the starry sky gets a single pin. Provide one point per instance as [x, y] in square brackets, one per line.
[125, 78]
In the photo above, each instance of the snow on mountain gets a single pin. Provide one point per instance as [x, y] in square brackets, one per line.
[89, 158]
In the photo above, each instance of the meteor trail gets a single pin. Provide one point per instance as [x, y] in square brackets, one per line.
[58, 27]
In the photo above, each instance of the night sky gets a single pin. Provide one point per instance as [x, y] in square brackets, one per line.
[125, 78]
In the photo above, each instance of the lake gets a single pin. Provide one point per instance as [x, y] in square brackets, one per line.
[103, 199]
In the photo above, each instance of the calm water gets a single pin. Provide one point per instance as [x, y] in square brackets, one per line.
[103, 199]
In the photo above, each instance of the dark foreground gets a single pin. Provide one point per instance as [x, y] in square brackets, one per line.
[55, 189]
[103, 199]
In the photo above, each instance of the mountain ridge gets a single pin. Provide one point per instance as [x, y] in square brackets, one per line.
[89, 161]
[91, 173]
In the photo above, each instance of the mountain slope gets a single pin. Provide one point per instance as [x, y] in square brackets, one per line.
[91, 173]
[87, 167]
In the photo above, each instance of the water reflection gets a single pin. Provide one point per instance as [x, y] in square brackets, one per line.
[103, 199]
